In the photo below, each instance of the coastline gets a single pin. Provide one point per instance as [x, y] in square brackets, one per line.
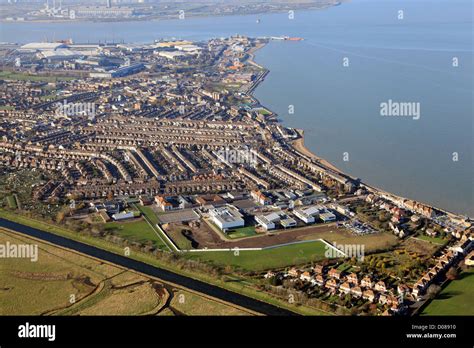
[299, 145]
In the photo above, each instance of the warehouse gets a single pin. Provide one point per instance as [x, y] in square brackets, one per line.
[227, 217]
[267, 221]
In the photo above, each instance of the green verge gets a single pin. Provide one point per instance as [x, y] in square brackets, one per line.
[455, 299]
[240, 287]
[153, 220]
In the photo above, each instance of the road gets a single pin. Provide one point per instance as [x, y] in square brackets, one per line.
[190, 283]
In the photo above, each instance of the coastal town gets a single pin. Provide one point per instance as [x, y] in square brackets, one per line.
[141, 10]
[115, 139]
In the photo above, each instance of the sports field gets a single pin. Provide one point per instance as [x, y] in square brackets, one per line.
[257, 260]
[456, 299]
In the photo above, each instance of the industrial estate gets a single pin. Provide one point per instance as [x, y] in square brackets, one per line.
[160, 152]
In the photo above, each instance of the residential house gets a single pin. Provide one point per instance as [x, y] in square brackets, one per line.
[260, 197]
[319, 280]
[357, 291]
[352, 278]
[331, 284]
[318, 269]
[368, 295]
[383, 299]
[366, 282]
[293, 272]
[380, 286]
[345, 288]
[305, 276]
[334, 273]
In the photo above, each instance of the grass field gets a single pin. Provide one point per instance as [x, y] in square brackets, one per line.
[139, 231]
[266, 259]
[9, 75]
[149, 213]
[192, 304]
[456, 299]
[45, 287]
[241, 232]
[371, 242]
[434, 240]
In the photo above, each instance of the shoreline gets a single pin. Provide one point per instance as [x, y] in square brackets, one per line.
[299, 145]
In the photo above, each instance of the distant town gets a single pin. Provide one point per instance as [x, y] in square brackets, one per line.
[134, 10]
[162, 147]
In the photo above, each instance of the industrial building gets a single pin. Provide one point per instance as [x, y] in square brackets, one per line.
[288, 222]
[227, 217]
[120, 72]
[268, 221]
[308, 215]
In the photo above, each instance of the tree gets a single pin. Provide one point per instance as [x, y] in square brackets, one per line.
[60, 217]
[452, 273]
[433, 290]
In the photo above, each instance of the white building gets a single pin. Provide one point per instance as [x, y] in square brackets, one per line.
[327, 216]
[42, 46]
[267, 221]
[288, 222]
[171, 54]
[227, 217]
[307, 215]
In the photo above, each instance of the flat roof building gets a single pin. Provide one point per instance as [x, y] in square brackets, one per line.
[288, 222]
[327, 216]
[307, 215]
[267, 221]
[227, 217]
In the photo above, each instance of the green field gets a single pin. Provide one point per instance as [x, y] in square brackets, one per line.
[148, 212]
[138, 231]
[152, 217]
[241, 232]
[8, 75]
[434, 240]
[456, 299]
[258, 260]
